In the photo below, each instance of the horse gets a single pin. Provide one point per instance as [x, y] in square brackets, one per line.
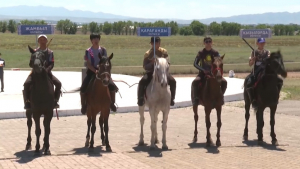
[211, 97]
[267, 93]
[41, 100]
[98, 99]
[157, 98]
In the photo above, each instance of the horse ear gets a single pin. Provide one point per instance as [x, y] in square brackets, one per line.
[99, 55]
[31, 50]
[111, 56]
[222, 57]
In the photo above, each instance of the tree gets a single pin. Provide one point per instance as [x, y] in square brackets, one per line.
[93, 27]
[107, 28]
[73, 28]
[174, 27]
[198, 28]
[159, 23]
[100, 27]
[261, 26]
[60, 25]
[3, 26]
[115, 27]
[215, 28]
[67, 26]
[129, 25]
[120, 26]
[186, 30]
[84, 28]
[12, 26]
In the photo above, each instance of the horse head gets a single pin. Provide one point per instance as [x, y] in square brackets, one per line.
[39, 59]
[104, 69]
[275, 62]
[161, 71]
[217, 68]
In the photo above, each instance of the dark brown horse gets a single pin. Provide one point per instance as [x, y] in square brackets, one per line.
[211, 97]
[267, 92]
[98, 100]
[41, 100]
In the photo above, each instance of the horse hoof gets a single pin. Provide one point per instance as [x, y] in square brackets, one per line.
[152, 148]
[245, 138]
[275, 143]
[86, 144]
[28, 147]
[156, 142]
[165, 148]
[108, 149]
[43, 148]
[195, 139]
[141, 143]
[48, 152]
[91, 147]
[218, 143]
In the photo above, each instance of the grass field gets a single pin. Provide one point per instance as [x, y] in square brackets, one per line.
[129, 50]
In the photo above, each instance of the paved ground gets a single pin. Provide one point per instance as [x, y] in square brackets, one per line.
[68, 136]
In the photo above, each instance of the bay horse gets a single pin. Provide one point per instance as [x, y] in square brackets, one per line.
[211, 97]
[267, 91]
[41, 100]
[98, 99]
[157, 98]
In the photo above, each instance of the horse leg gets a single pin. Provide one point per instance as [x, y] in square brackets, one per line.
[272, 123]
[153, 128]
[101, 123]
[37, 133]
[47, 122]
[260, 124]
[89, 123]
[247, 114]
[164, 129]
[156, 119]
[106, 128]
[208, 124]
[219, 124]
[29, 125]
[195, 109]
[93, 130]
[142, 120]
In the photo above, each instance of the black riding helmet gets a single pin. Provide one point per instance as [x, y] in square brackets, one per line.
[94, 36]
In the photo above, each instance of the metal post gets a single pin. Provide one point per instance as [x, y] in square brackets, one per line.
[36, 41]
[154, 46]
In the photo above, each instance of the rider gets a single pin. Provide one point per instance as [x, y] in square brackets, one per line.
[148, 65]
[257, 57]
[92, 60]
[42, 40]
[205, 58]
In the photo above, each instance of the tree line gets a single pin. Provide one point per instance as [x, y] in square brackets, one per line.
[129, 27]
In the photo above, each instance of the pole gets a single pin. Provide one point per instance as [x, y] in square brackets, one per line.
[36, 41]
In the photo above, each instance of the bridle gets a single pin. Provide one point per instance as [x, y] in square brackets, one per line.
[104, 73]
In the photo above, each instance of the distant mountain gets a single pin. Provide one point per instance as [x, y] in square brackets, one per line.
[53, 14]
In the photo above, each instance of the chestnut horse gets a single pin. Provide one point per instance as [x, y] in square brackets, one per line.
[211, 97]
[98, 100]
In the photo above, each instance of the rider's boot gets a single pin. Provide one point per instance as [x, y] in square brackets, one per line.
[83, 102]
[196, 95]
[173, 92]
[56, 99]
[141, 95]
[26, 100]
[252, 98]
[113, 99]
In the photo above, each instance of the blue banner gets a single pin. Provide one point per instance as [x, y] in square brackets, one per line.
[35, 29]
[154, 31]
[255, 33]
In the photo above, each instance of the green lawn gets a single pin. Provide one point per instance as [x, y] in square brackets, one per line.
[129, 51]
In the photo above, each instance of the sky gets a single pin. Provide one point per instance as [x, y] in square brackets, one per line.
[172, 9]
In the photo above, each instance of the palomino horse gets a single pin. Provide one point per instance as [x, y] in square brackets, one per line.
[158, 98]
[267, 91]
[98, 100]
[41, 99]
[211, 98]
